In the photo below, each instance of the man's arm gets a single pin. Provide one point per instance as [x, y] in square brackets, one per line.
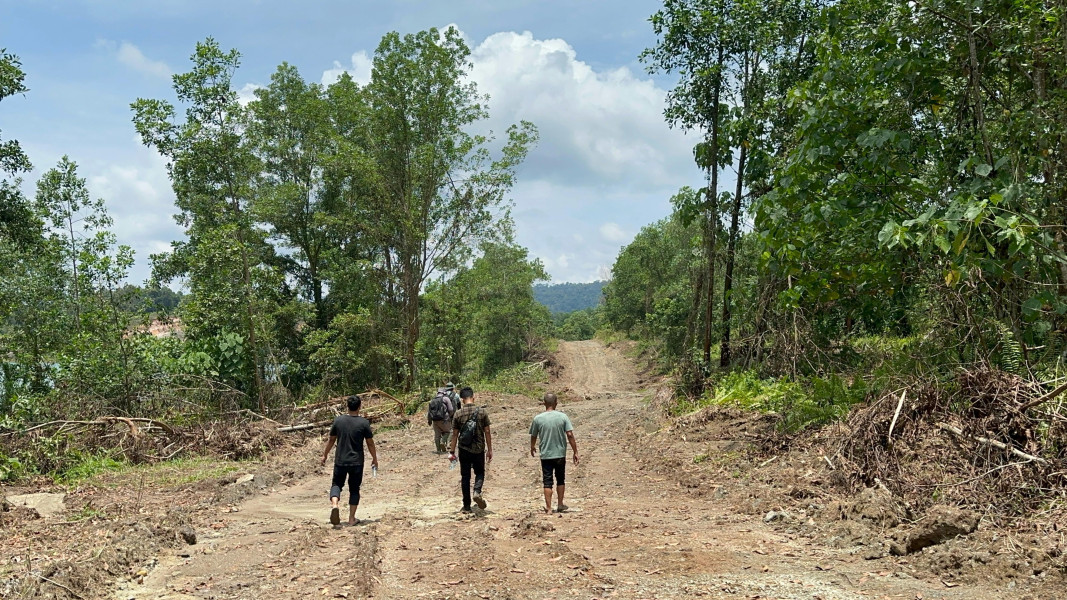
[452, 441]
[329, 446]
[574, 445]
[488, 446]
[533, 445]
[373, 452]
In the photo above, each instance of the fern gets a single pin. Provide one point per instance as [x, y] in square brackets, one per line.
[1011, 352]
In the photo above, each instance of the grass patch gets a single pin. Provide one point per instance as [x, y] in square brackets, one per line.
[85, 466]
[609, 336]
[805, 403]
[180, 471]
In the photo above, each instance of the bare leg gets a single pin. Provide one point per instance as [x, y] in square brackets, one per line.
[548, 500]
[559, 496]
[352, 513]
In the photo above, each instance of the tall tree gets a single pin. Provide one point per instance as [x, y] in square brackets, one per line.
[212, 167]
[692, 45]
[291, 133]
[441, 190]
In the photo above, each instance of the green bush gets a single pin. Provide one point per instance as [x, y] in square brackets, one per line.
[12, 469]
[801, 404]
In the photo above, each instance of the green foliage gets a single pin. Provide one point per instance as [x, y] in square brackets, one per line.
[651, 293]
[83, 466]
[524, 379]
[581, 324]
[563, 298]
[485, 319]
[12, 469]
[801, 404]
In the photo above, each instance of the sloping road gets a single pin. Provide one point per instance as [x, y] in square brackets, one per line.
[629, 534]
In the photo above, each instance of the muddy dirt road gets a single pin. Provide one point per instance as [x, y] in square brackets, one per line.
[628, 534]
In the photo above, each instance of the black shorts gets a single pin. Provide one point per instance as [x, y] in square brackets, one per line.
[557, 466]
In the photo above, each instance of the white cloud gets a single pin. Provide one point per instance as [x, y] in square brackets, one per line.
[132, 57]
[597, 127]
[360, 71]
[138, 197]
[612, 232]
[247, 93]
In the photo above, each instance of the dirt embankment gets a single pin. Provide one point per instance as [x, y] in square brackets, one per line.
[659, 509]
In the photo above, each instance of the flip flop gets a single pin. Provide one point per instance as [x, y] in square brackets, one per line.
[335, 517]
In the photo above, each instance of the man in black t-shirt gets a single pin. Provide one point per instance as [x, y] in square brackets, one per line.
[348, 433]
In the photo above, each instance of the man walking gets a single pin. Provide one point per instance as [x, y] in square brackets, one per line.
[470, 431]
[439, 415]
[348, 433]
[553, 430]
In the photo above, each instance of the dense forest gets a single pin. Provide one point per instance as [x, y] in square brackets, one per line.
[569, 297]
[333, 235]
[897, 223]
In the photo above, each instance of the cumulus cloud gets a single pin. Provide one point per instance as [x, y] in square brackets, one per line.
[247, 93]
[360, 70]
[597, 127]
[132, 57]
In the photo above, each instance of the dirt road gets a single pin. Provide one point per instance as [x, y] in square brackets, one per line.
[629, 534]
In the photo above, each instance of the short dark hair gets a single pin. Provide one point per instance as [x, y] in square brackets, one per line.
[354, 402]
[549, 399]
[466, 393]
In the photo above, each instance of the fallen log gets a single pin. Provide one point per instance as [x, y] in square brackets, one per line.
[304, 426]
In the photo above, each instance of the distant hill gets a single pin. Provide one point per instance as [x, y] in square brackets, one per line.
[569, 297]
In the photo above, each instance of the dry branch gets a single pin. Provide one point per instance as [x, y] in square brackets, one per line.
[1044, 398]
[896, 415]
[303, 426]
[994, 443]
[128, 421]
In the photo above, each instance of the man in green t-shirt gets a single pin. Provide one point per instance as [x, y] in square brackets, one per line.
[554, 431]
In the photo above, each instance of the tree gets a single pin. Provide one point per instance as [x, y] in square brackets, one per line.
[213, 167]
[485, 319]
[17, 223]
[29, 304]
[441, 191]
[291, 133]
[692, 44]
[96, 361]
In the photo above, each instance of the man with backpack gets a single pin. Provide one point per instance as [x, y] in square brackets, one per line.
[470, 432]
[439, 415]
[550, 433]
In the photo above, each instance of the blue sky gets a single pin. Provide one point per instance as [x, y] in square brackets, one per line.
[606, 165]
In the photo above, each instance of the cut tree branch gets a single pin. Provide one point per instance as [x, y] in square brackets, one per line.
[988, 442]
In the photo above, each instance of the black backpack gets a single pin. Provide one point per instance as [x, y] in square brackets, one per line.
[469, 433]
[438, 411]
